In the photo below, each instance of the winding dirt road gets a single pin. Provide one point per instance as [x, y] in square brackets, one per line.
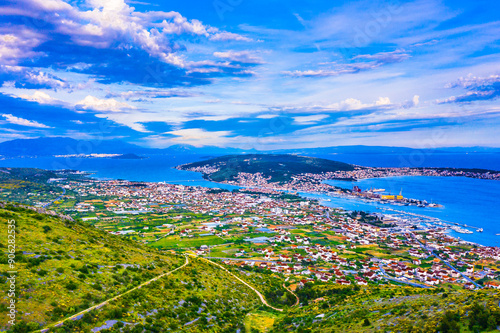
[263, 300]
[291, 292]
[59, 323]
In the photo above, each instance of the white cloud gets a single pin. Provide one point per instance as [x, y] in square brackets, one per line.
[227, 36]
[239, 56]
[267, 116]
[199, 137]
[108, 24]
[45, 79]
[386, 57]
[309, 120]
[51, 5]
[337, 69]
[141, 94]
[410, 104]
[416, 99]
[383, 101]
[472, 81]
[178, 24]
[18, 44]
[354, 104]
[94, 103]
[40, 97]
[23, 122]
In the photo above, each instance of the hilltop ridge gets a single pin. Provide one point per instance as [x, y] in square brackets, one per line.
[279, 167]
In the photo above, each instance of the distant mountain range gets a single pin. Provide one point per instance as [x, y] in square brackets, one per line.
[68, 146]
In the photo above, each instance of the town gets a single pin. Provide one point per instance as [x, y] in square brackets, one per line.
[296, 238]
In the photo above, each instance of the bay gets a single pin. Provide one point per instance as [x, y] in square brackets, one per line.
[473, 202]
[155, 168]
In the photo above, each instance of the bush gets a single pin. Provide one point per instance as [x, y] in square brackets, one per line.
[481, 318]
[71, 285]
[449, 323]
[42, 272]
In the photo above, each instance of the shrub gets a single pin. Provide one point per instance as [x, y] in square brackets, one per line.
[71, 285]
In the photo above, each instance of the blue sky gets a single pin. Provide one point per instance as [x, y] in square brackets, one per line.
[252, 74]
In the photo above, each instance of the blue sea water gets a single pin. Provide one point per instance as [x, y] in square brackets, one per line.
[155, 168]
[474, 202]
[469, 201]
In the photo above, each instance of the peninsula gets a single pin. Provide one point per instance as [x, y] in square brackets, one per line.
[308, 174]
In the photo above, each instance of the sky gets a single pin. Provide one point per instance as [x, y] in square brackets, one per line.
[252, 74]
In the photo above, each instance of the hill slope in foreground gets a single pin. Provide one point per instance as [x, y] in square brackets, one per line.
[66, 267]
[279, 167]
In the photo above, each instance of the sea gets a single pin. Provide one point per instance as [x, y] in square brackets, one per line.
[472, 202]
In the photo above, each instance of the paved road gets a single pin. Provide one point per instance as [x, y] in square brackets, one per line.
[387, 277]
[59, 323]
[243, 259]
[456, 270]
[446, 262]
[263, 300]
[58, 198]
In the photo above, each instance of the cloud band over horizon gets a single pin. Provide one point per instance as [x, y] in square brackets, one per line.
[294, 75]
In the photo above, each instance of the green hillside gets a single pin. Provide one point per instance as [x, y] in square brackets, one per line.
[64, 267]
[330, 309]
[26, 185]
[279, 167]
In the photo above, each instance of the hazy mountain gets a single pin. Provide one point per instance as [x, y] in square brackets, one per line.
[67, 146]
[384, 150]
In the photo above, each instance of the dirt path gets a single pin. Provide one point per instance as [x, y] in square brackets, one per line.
[291, 292]
[246, 284]
[59, 323]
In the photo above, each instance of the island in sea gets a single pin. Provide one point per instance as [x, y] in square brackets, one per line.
[128, 156]
[287, 172]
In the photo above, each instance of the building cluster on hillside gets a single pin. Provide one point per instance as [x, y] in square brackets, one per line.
[363, 173]
[286, 252]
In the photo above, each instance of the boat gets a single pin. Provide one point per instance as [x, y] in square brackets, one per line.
[378, 190]
[480, 230]
[461, 230]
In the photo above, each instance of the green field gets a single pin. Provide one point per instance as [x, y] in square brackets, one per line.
[178, 243]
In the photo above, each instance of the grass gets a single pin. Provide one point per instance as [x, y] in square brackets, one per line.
[260, 320]
[65, 267]
[177, 242]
